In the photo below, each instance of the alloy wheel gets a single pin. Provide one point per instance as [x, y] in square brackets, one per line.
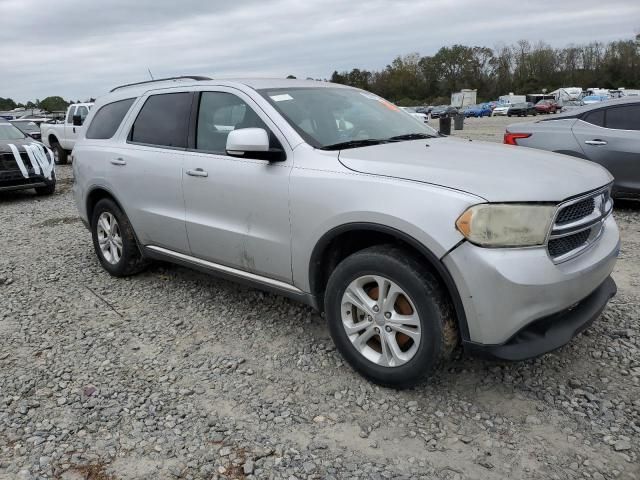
[380, 320]
[109, 237]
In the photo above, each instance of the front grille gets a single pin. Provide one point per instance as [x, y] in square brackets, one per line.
[563, 245]
[10, 173]
[576, 211]
[578, 224]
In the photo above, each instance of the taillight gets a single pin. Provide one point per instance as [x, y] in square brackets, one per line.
[510, 138]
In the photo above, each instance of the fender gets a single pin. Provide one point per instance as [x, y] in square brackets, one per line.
[432, 260]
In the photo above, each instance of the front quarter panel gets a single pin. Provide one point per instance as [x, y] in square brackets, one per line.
[325, 195]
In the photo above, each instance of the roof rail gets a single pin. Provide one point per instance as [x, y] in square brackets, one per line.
[189, 77]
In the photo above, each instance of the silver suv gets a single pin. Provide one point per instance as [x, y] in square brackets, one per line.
[410, 242]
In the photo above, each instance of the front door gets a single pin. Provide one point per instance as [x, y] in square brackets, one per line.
[237, 209]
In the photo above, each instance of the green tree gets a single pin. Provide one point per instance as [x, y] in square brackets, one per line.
[54, 104]
[7, 104]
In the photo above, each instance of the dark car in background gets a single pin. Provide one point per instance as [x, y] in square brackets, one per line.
[547, 106]
[607, 133]
[24, 163]
[28, 127]
[443, 110]
[522, 109]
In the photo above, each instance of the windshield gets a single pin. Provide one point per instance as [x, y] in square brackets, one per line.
[332, 118]
[27, 126]
[9, 132]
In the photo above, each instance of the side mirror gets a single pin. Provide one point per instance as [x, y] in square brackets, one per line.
[252, 143]
[77, 121]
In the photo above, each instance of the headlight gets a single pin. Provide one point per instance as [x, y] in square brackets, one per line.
[506, 225]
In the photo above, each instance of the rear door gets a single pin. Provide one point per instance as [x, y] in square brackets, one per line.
[610, 136]
[145, 169]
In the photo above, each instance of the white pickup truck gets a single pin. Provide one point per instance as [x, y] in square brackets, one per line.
[61, 137]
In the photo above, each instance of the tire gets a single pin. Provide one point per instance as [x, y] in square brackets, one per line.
[49, 188]
[127, 259]
[422, 298]
[60, 154]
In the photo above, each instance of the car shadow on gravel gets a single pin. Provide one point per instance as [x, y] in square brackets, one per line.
[17, 196]
[626, 206]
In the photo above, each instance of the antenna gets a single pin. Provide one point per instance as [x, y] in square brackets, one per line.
[150, 74]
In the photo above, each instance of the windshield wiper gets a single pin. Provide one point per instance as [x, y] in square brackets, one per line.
[354, 144]
[411, 136]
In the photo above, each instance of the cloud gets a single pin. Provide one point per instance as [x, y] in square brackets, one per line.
[78, 49]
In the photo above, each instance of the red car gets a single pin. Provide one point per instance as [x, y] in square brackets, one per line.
[547, 106]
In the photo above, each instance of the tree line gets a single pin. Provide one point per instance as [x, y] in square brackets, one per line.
[520, 68]
[49, 104]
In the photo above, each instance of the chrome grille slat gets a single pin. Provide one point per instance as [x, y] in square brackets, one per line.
[578, 224]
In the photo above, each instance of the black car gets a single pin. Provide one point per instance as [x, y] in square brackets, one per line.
[522, 109]
[28, 127]
[24, 163]
[442, 110]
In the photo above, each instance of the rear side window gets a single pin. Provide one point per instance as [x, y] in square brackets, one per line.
[107, 120]
[595, 118]
[624, 118]
[163, 120]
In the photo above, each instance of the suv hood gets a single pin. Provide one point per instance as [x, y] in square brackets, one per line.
[495, 172]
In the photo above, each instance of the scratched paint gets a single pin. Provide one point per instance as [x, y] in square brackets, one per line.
[40, 157]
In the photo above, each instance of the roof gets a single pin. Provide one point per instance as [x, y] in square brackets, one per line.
[594, 106]
[136, 89]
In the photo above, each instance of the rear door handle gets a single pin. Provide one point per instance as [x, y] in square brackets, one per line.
[118, 161]
[198, 172]
[595, 142]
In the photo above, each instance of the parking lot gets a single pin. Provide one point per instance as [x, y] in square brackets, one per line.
[174, 374]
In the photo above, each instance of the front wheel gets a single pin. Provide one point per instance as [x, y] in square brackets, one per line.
[389, 316]
[49, 188]
[60, 155]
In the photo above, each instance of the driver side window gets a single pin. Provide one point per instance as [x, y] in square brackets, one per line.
[220, 113]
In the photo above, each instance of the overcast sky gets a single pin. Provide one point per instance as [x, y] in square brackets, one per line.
[81, 48]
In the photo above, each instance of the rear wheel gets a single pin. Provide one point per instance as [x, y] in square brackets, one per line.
[60, 155]
[389, 317]
[114, 240]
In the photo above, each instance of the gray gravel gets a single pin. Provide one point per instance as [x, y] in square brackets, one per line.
[173, 374]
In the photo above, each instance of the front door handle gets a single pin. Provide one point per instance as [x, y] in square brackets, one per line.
[198, 172]
[595, 142]
[118, 161]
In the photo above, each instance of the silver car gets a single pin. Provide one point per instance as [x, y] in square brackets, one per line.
[409, 242]
[607, 133]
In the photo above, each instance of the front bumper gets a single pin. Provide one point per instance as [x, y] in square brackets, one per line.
[504, 291]
[14, 180]
[552, 332]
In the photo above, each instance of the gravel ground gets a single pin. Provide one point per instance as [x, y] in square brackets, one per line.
[173, 374]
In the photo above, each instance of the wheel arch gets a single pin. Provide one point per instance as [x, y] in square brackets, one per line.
[96, 194]
[52, 139]
[352, 237]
